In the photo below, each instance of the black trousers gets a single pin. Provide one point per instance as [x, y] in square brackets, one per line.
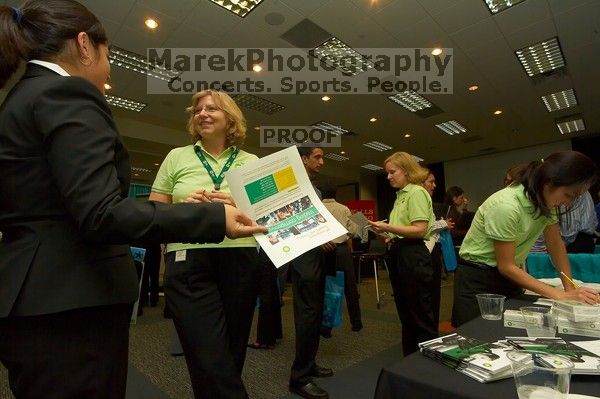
[78, 353]
[150, 278]
[308, 284]
[342, 260]
[584, 243]
[412, 278]
[269, 327]
[212, 295]
[470, 280]
[438, 264]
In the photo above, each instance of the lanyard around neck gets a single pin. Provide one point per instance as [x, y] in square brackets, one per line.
[216, 179]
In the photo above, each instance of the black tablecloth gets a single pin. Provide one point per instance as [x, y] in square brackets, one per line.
[417, 376]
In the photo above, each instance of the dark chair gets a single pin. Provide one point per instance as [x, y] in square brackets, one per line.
[375, 253]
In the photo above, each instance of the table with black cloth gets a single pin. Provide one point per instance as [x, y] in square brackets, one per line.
[417, 376]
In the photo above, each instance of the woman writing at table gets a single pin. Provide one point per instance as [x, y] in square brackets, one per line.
[211, 289]
[411, 271]
[506, 226]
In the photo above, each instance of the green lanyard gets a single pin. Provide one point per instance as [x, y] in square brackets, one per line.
[216, 179]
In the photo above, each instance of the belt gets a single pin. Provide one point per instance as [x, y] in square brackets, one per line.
[480, 266]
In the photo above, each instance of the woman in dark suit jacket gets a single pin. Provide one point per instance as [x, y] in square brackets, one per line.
[67, 279]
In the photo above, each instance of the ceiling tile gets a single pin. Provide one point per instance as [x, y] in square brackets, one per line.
[272, 11]
[306, 7]
[184, 37]
[474, 35]
[436, 6]
[176, 9]
[523, 14]
[397, 16]
[337, 19]
[559, 6]
[113, 10]
[425, 33]
[212, 19]
[368, 34]
[579, 26]
[461, 14]
[534, 33]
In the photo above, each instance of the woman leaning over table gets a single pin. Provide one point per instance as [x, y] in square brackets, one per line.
[411, 271]
[210, 288]
[506, 226]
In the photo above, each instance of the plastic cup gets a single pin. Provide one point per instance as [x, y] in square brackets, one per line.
[491, 306]
[539, 321]
[540, 375]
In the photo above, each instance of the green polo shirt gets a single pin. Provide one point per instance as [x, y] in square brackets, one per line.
[182, 173]
[507, 215]
[413, 203]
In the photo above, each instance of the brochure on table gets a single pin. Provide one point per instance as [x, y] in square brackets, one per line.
[276, 192]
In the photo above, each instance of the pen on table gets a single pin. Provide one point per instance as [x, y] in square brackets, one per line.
[570, 280]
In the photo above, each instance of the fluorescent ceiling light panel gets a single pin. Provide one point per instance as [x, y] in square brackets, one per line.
[411, 101]
[328, 127]
[141, 170]
[570, 126]
[377, 145]
[541, 57]
[336, 157]
[238, 7]
[451, 128]
[139, 63]
[125, 103]
[496, 6]
[333, 50]
[370, 166]
[258, 104]
[560, 100]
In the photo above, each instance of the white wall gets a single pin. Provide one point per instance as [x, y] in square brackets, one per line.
[482, 176]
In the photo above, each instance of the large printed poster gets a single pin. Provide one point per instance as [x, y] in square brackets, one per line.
[276, 192]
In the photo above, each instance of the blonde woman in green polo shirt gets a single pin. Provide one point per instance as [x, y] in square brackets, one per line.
[211, 289]
[506, 226]
[411, 270]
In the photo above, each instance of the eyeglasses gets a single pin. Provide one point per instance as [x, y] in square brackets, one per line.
[210, 109]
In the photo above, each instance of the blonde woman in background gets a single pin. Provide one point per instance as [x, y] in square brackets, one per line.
[411, 270]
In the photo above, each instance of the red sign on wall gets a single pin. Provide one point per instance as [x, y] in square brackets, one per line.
[367, 207]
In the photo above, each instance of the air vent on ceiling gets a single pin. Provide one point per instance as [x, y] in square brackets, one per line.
[471, 139]
[306, 34]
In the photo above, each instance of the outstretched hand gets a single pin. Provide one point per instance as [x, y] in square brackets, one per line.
[238, 224]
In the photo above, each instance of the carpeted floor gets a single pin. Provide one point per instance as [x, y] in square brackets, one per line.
[355, 356]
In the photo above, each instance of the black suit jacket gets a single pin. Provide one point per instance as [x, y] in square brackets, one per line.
[64, 213]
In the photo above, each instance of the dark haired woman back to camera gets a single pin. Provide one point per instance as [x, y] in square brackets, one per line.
[67, 279]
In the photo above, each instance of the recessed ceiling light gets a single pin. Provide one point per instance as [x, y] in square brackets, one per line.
[569, 124]
[139, 63]
[560, 100]
[370, 166]
[156, 164]
[407, 135]
[497, 112]
[257, 128]
[135, 174]
[541, 57]
[411, 101]
[342, 152]
[378, 146]
[473, 88]
[325, 98]
[496, 6]
[257, 68]
[125, 103]
[436, 51]
[107, 86]
[451, 127]
[240, 8]
[372, 119]
[338, 54]
[151, 23]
